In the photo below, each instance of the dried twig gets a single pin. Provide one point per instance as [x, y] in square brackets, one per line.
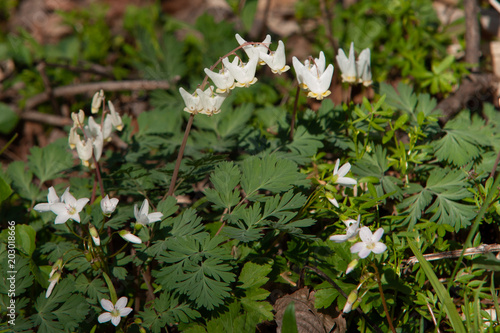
[76, 89]
[481, 249]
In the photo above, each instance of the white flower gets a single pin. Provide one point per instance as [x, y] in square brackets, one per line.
[52, 198]
[364, 69]
[348, 65]
[276, 60]
[351, 231]
[54, 278]
[69, 209]
[318, 86]
[142, 215]
[108, 205]
[224, 80]
[192, 101]
[73, 137]
[255, 49]
[95, 133]
[243, 73]
[369, 242]
[84, 150]
[210, 101]
[116, 120]
[125, 234]
[115, 312]
[338, 175]
[96, 101]
[312, 76]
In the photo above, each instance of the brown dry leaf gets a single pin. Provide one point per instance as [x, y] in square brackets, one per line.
[309, 320]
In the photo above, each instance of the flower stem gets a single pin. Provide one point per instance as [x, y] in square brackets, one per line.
[179, 157]
[294, 114]
[382, 297]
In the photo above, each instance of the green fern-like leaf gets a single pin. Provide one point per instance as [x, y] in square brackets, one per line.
[196, 268]
[167, 310]
[448, 188]
[463, 140]
[268, 173]
[225, 178]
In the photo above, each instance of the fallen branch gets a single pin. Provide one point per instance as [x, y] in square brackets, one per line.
[476, 86]
[481, 249]
[76, 89]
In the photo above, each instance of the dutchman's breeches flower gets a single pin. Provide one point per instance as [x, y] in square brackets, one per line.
[364, 69]
[255, 49]
[192, 101]
[276, 60]
[339, 175]
[243, 73]
[52, 198]
[348, 65]
[313, 77]
[210, 101]
[351, 231]
[223, 80]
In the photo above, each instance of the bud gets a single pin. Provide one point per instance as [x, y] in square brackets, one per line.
[116, 120]
[95, 235]
[78, 118]
[352, 265]
[108, 205]
[125, 234]
[73, 137]
[353, 297]
[96, 101]
[53, 281]
[56, 267]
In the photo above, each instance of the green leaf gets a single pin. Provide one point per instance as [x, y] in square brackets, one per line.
[463, 140]
[225, 179]
[167, 310]
[62, 311]
[268, 173]
[25, 239]
[48, 162]
[448, 187]
[289, 323]
[8, 119]
[196, 268]
[22, 180]
[253, 276]
[5, 190]
[444, 297]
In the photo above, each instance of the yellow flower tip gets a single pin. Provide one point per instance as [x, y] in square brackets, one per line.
[367, 83]
[119, 127]
[72, 146]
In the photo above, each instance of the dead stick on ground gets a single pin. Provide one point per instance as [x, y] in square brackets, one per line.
[92, 87]
[481, 249]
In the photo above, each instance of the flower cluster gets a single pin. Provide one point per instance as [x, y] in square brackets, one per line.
[355, 71]
[95, 135]
[235, 73]
[313, 77]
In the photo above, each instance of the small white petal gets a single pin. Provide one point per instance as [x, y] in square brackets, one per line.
[104, 317]
[115, 320]
[125, 312]
[377, 235]
[121, 303]
[107, 305]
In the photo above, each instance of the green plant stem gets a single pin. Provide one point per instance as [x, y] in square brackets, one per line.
[179, 157]
[336, 286]
[382, 297]
[99, 179]
[8, 144]
[294, 113]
